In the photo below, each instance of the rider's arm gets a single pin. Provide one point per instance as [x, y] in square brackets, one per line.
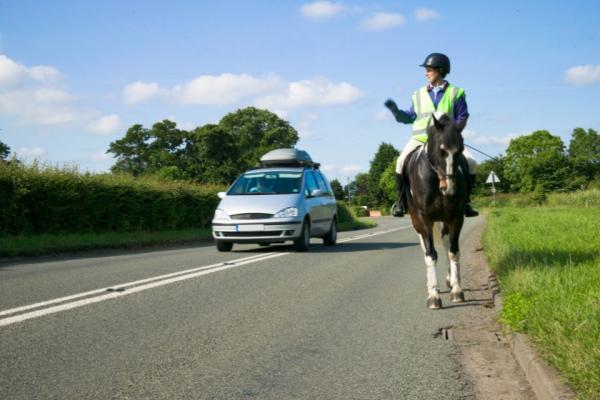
[461, 112]
[404, 117]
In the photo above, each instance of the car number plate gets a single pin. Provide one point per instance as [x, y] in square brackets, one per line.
[251, 228]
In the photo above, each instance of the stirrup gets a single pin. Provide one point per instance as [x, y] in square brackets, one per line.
[398, 210]
[470, 211]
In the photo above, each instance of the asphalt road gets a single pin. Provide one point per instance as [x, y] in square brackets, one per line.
[343, 322]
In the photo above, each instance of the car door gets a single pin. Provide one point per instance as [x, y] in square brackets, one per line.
[318, 215]
[327, 201]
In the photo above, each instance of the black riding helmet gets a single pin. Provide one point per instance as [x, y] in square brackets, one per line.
[439, 61]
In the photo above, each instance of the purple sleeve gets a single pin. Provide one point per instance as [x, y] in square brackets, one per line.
[461, 111]
[411, 114]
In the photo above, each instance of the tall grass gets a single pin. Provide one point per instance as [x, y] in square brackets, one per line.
[548, 262]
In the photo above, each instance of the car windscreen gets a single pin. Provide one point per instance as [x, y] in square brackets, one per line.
[271, 182]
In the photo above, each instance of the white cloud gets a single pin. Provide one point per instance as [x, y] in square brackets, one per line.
[351, 170]
[106, 125]
[31, 94]
[269, 92]
[11, 73]
[30, 152]
[310, 93]
[224, 89]
[138, 92]
[472, 137]
[101, 157]
[321, 9]
[583, 74]
[426, 14]
[383, 116]
[382, 21]
[43, 73]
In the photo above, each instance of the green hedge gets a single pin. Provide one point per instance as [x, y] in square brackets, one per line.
[40, 199]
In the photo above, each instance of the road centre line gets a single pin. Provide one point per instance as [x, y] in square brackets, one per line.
[150, 283]
[123, 285]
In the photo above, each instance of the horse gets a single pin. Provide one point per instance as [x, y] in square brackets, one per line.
[436, 176]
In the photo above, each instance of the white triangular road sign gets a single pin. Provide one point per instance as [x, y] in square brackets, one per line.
[492, 178]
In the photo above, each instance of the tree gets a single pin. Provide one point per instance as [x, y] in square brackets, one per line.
[4, 151]
[132, 151]
[584, 153]
[535, 159]
[208, 154]
[387, 184]
[361, 193]
[338, 191]
[256, 132]
[211, 155]
[385, 155]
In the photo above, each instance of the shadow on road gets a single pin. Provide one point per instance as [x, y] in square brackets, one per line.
[338, 248]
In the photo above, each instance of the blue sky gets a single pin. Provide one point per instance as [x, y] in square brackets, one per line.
[74, 75]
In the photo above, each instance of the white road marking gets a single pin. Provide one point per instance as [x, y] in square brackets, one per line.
[145, 284]
[122, 285]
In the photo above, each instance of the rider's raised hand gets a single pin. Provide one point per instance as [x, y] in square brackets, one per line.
[391, 105]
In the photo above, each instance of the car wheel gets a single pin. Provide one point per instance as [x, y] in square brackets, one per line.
[303, 242]
[331, 237]
[224, 246]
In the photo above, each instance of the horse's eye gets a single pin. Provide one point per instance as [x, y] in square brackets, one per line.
[444, 153]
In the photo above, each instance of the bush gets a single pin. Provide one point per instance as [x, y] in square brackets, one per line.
[360, 211]
[40, 199]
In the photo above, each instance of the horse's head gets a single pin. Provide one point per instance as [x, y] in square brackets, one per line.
[444, 149]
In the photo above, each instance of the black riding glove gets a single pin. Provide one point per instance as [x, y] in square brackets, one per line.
[400, 115]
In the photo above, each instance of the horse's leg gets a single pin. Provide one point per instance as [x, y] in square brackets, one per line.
[454, 228]
[425, 230]
[446, 241]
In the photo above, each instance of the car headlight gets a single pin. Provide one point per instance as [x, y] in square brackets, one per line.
[221, 214]
[287, 212]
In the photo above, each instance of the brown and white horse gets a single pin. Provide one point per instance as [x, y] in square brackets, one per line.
[436, 179]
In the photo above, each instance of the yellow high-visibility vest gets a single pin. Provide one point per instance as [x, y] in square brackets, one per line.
[424, 108]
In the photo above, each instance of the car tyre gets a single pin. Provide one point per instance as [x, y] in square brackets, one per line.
[303, 242]
[224, 246]
[331, 237]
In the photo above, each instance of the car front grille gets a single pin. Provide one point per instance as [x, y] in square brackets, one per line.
[251, 216]
[250, 234]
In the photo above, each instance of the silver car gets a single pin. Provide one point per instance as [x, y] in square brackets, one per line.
[276, 204]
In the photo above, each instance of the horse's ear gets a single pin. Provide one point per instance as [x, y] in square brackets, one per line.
[438, 125]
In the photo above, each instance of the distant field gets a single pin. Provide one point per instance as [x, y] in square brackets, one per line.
[548, 261]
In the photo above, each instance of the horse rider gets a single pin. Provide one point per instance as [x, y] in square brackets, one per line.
[438, 95]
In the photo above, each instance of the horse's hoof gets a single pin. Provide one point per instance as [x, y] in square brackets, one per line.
[434, 303]
[458, 297]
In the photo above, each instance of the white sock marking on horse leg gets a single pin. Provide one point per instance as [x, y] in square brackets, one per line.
[455, 272]
[432, 284]
[422, 243]
[446, 241]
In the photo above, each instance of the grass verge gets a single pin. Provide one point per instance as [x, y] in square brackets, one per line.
[548, 263]
[32, 245]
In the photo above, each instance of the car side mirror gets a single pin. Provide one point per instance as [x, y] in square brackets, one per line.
[316, 193]
[222, 195]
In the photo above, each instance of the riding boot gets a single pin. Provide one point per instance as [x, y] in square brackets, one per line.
[469, 210]
[399, 207]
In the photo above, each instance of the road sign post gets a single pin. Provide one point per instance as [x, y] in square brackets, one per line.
[492, 178]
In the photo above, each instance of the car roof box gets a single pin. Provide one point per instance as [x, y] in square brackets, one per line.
[287, 158]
